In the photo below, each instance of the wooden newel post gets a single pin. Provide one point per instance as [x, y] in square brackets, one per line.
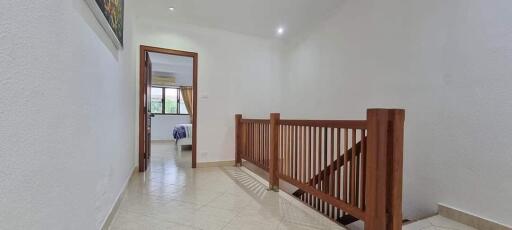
[384, 169]
[274, 152]
[238, 139]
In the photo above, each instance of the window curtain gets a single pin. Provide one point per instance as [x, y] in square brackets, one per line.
[188, 97]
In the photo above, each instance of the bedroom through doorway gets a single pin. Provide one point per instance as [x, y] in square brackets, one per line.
[167, 136]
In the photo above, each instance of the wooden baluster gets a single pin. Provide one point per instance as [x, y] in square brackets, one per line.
[291, 151]
[295, 155]
[357, 175]
[246, 142]
[338, 153]
[267, 147]
[326, 164]
[253, 141]
[258, 143]
[290, 159]
[353, 169]
[268, 144]
[264, 145]
[260, 152]
[363, 168]
[303, 153]
[319, 166]
[250, 142]
[285, 142]
[256, 153]
[332, 182]
[314, 162]
[299, 154]
[345, 165]
[253, 144]
[248, 133]
[283, 154]
[323, 163]
[281, 150]
[308, 176]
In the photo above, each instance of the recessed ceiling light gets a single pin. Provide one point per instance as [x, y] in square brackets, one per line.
[280, 31]
[171, 8]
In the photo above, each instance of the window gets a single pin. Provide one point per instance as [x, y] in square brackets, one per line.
[171, 100]
[166, 100]
[156, 100]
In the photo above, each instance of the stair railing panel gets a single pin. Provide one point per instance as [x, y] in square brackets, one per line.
[348, 170]
[253, 141]
[313, 157]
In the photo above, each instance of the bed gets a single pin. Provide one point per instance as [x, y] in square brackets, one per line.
[182, 134]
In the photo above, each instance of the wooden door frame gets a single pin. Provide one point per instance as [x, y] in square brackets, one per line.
[149, 49]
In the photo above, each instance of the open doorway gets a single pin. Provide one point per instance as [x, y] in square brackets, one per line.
[168, 105]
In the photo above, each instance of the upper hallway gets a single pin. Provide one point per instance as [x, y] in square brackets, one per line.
[69, 110]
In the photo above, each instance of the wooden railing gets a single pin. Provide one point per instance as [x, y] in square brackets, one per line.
[253, 141]
[347, 170]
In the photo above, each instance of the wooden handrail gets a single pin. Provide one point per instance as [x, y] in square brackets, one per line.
[365, 182]
[263, 121]
[354, 124]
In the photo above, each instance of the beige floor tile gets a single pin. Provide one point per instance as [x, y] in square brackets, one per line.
[131, 221]
[437, 223]
[171, 195]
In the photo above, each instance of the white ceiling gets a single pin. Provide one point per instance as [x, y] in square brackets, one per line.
[253, 17]
[171, 65]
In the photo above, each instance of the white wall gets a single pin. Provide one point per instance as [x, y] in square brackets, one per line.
[163, 125]
[67, 121]
[236, 74]
[449, 64]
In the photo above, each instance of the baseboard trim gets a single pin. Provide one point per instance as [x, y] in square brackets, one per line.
[115, 207]
[469, 219]
[162, 141]
[215, 164]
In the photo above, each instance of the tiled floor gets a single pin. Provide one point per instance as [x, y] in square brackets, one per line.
[173, 196]
[437, 223]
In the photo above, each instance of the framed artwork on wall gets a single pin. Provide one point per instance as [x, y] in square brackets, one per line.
[110, 14]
